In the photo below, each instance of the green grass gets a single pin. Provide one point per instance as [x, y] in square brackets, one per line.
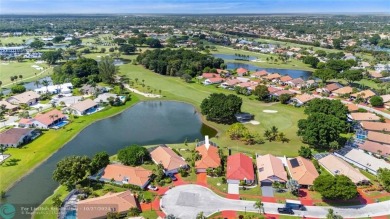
[286, 195]
[175, 89]
[291, 63]
[40, 149]
[190, 178]
[382, 199]
[42, 212]
[16, 39]
[248, 214]
[214, 181]
[24, 68]
[288, 217]
[149, 214]
[368, 175]
[344, 203]
[251, 191]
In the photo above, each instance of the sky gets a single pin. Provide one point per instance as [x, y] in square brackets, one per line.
[192, 6]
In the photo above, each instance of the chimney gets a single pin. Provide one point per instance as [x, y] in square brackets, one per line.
[206, 142]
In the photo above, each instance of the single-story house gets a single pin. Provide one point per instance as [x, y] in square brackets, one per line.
[87, 89]
[210, 157]
[83, 107]
[375, 148]
[15, 137]
[302, 99]
[240, 168]
[213, 81]
[242, 72]
[284, 79]
[375, 74]
[280, 92]
[296, 82]
[337, 166]
[48, 119]
[259, 74]
[122, 174]
[363, 117]
[352, 107]
[8, 106]
[375, 126]
[302, 170]
[28, 97]
[103, 98]
[361, 159]
[311, 83]
[329, 88]
[270, 169]
[378, 137]
[231, 83]
[365, 94]
[343, 91]
[168, 158]
[386, 98]
[120, 202]
[65, 88]
[273, 76]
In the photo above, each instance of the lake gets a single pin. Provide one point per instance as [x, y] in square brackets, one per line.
[30, 85]
[293, 73]
[233, 57]
[146, 123]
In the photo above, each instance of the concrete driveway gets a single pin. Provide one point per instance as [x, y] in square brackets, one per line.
[267, 191]
[187, 201]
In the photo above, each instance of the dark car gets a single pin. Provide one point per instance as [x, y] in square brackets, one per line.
[285, 211]
[173, 177]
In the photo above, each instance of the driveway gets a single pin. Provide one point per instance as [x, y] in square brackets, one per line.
[187, 201]
[233, 188]
[267, 191]
[11, 120]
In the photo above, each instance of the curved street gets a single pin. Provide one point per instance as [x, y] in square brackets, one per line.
[186, 201]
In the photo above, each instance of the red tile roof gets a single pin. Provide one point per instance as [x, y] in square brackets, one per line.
[260, 73]
[376, 126]
[240, 167]
[333, 86]
[167, 157]
[375, 147]
[285, 78]
[45, 118]
[210, 75]
[378, 137]
[242, 71]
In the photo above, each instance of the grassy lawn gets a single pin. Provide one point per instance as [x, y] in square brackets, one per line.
[251, 191]
[315, 195]
[382, 199]
[286, 119]
[291, 64]
[149, 215]
[216, 183]
[24, 68]
[368, 175]
[286, 195]
[190, 178]
[16, 39]
[344, 203]
[42, 213]
[32, 154]
[287, 217]
[248, 214]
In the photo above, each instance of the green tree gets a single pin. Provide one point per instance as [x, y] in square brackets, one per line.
[259, 206]
[153, 43]
[133, 212]
[261, 92]
[237, 131]
[311, 60]
[352, 75]
[384, 178]
[325, 74]
[332, 215]
[374, 39]
[221, 108]
[200, 215]
[292, 186]
[71, 170]
[17, 89]
[58, 39]
[305, 152]
[376, 101]
[57, 202]
[113, 215]
[186, 77]
[335, 187]
[284, 98]
[337, 43]
[37, 44]
[75, 42]
[319, 129]
[133, 155]
[326, 106]
[127, 49]
[51, 57]
[99, 161]
[338, 65]
[107, 69]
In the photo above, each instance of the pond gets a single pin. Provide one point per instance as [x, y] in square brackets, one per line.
[291, 72]
[30, 85]
[234, 57]
[146, 123]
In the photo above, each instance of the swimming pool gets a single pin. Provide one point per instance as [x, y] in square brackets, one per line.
[70, 214]
[61, 124]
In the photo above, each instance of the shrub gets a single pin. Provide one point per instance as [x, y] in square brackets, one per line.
[376, 101]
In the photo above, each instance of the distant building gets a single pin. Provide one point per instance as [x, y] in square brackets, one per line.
[28, 97]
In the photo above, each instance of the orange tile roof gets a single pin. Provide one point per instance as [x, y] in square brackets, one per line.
[45, 118]
[242, 71]
[305, 173]
[240, 167]
[343, 90]
[210, 75]
[376, 126]
[364, 94]
[7, 105]
[333, 86]
[378, 137]
[304, 98]
[352, 107]
[375, 147]
[271, 166]
[285, 78]
[121, 202]
[135, 175]
[210, 157]
[167, 157]
[260, 73]
[272, 76]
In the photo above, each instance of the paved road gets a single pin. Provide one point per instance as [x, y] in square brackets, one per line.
[187, 201]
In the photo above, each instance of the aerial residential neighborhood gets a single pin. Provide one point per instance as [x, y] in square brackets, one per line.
[194, 109]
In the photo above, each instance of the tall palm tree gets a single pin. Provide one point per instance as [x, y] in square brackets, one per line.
[259, 205]
[46, 84]
[37, 83]
[268, 135]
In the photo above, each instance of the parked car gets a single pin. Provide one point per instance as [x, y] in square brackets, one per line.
[152, 187]
[173, 177]
[285, 211]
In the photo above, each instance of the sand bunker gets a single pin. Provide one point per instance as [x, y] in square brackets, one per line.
[270, 111]
[254, 122]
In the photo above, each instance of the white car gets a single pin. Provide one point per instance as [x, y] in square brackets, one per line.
[152, 187]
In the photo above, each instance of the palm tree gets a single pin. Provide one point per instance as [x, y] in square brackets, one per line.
[274, 132]
[46, 84]
[268, 135]
[37, 83]
[258, 205]
[140, 155]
